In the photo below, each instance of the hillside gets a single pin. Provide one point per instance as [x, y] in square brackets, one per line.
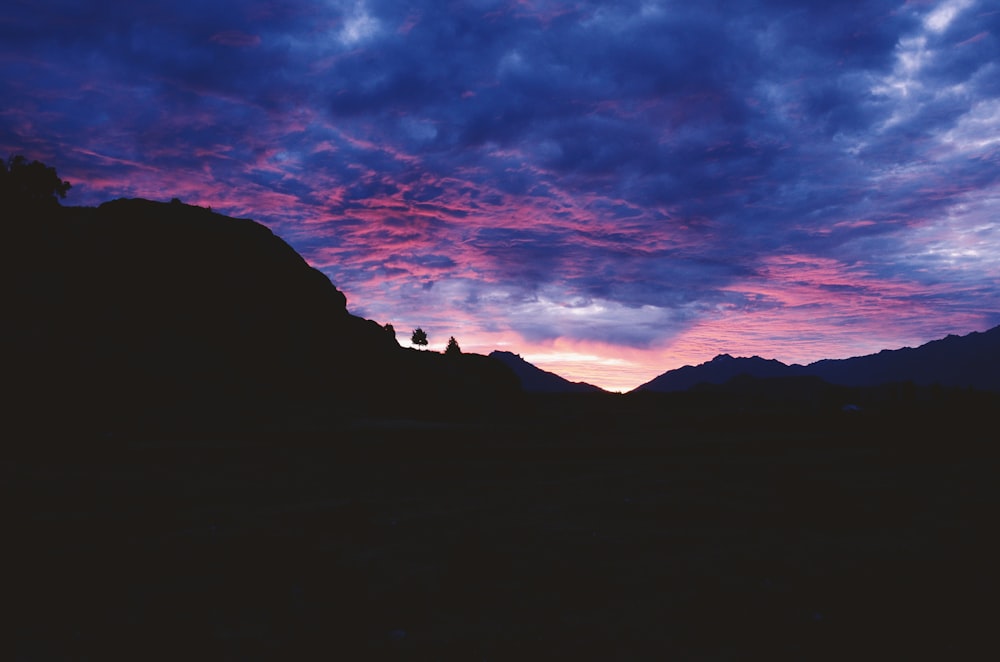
[141, 317]
[535, 380]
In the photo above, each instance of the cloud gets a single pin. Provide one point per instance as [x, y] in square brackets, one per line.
[236, 39]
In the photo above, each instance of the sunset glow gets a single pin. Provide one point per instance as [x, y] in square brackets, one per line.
[609, 189]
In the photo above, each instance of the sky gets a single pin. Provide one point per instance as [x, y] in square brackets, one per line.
[609, 189]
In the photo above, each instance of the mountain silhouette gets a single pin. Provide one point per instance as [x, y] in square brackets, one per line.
[717, 371]
[140, 317]
[966, 361]
[972, 360]
[535, 380]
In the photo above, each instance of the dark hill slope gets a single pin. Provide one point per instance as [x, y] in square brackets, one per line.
[139, 317]
[535, 380]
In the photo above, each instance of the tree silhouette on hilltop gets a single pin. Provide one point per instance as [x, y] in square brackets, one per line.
[30, 183]
[419, 337]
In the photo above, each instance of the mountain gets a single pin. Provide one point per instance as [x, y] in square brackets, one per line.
[717, 371]
[972, 360]
[144, 318]
[535, 380]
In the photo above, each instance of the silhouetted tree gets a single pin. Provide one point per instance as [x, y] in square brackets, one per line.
[419, 337]
[452, 349]
[30, 183]
[390, 329]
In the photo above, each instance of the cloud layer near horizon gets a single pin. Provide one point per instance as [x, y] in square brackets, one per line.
[611, 189]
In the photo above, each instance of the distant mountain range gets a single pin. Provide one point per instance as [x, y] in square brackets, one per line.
[535, 380]
[972, 360]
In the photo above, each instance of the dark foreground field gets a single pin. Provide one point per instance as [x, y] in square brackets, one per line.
[724, 541]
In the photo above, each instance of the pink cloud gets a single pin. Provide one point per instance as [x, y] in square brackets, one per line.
[971, 40]
[860, 223]
[236, 39]
[412, 20]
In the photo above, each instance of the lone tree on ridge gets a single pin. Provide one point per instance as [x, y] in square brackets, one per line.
[419, 337]
[452, 349]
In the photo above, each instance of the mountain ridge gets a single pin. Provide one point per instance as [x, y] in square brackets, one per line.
[535, 380]
[972, 360]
